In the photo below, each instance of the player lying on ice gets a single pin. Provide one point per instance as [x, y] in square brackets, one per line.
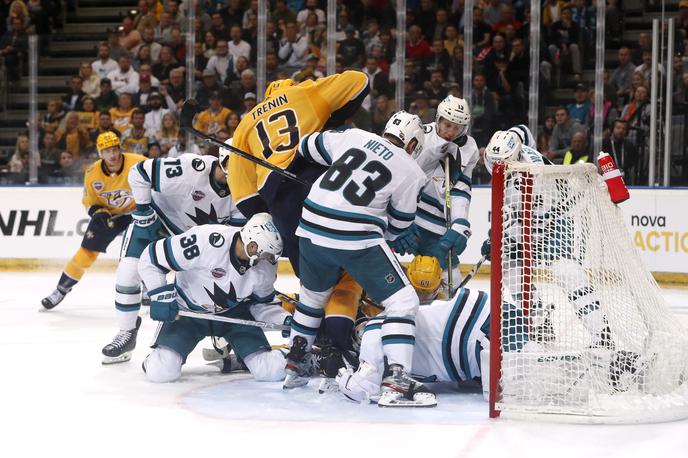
[218, 269]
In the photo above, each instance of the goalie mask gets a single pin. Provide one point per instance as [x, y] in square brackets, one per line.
[223, 156]
[425, 275]
[504, 146]
[406, 127]
[260, 236]
[455, 110]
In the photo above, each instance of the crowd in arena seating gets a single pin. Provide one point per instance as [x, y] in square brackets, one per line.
[137, 82]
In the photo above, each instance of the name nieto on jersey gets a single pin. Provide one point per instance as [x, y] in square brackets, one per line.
[270, 104]
[379, 149]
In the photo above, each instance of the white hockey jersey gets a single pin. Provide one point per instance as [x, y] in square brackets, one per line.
[183, 193]
[449, 338]
[430, 215]
[209, 277]
[368, 194]
[525, 135]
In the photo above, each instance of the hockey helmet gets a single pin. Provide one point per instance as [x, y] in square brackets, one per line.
[425, 274]
[223, 156]
[455, 110]
[278, 85]
[106, 140]
[406, 126]
[261, 231]
[504, 146]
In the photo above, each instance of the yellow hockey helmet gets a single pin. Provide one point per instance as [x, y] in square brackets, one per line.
[425, 274]
[279, 84]
[107, 140]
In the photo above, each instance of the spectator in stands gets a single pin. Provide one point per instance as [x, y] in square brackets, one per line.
[175, 89]
[210, 85]
[519, 63]
[506, 19]
[90, 80]
[50, 153]
[238, 47]
[231, 123]
[218, 30]
[166, 136]
[420, 106]
[271, 66]
[147, 71]
[210, 121]
[234, 74]
[435, 89]
[148, 38]
[238, 89]
[13, 48]
[140, 98]
[621, 76]
[54, 115]
[563, 131]
[145, 17]
[181, 147]
[544, 136]
[252, 9]
[248, 105]
[116, 51]
[482, 32]
[200, 61]
[644, 44]
[233, 13]
[19, 162]
[107, 98]
[456, 65]
[584, 16]
[163, 31]
[488, 57]
[88, 116]
[176, 14]
[155, 112]
[551, 11]
[311, 7]
[371, 36]
[637, 114]
[441, 24]
[424, 18]
[136, 138]
[121, 114]
[578, 110]
[104, 65]
[123, 77]
[624, 152]
[439, 59]
[380, 114]
[579, 152]
[177, 44]
[143, 56]
[483, 110]
[209, 45]
[72, 100]
[73, 138]
[165, 65]
[129, 37]
[609, 111]
[220, 63]
[378, 82]
[451, 39]
[293, 49]
[67, 171]
[614, 17]
[154, 151]
[104, 125]
[563, 42]
[282, 13]
[416, 46]
[352, 49]
[680, 83]
[491, 13]
[313, 31]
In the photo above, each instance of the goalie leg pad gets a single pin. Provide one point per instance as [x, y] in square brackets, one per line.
[163, 365]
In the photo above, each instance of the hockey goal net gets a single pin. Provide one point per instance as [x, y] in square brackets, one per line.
[579, 329]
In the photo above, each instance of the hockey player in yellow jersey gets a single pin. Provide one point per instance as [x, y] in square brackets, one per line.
[272, 130]
[109, 202]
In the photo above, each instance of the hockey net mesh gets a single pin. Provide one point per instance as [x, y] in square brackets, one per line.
[584, 329]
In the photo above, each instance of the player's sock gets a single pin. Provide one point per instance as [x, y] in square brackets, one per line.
[398, 339]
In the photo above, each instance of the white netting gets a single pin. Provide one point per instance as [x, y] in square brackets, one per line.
[584, 329]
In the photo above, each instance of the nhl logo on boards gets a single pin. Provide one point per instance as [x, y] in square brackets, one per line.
[216, 239]
[389, 278]
[98, 185]
[197, 195]
[218, 272]
[198, 165]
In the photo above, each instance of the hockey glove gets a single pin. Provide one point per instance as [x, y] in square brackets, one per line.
[407, 241]
[456, 241]
[100, 221]
[146, 223]
[163, 303]
[486, 249]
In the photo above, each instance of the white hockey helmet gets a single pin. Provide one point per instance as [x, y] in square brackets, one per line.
[262, 231]
[455, 110]
[406, 126]
[223, 155]
[504, 146]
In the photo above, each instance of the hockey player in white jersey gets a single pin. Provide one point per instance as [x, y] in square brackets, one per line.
[447, 137]
[367, 196]
[172, 195]
[220, 270]
[452, 337]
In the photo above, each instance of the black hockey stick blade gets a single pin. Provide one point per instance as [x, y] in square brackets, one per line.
[189, 111]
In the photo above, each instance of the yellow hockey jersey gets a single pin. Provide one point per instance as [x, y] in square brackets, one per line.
[273, 128]
[211, 123]
[111, 191]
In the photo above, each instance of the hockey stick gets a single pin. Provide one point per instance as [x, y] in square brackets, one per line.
[211, 317]
[447, 216]
[191, 108]
[473, 271]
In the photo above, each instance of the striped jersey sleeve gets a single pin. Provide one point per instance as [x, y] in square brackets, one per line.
[462, 190]
[140, 181]
[316, 148]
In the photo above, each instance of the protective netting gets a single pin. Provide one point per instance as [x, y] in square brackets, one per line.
[585, 332]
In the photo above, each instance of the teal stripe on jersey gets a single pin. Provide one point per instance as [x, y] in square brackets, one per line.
[465, 179]
[267, 298]
[398, 214]
[460, 193]
[143, 172]
[154, 258]
[426, 215]
[169, 255]
[395, 230]
[303, 149]
[324, 232]
[189, 302]
[448, 332]
[347, 216]
[320, 146]
[237, 222]
[425, 198]
[169, 224]
[467, 331]
[156, 174]
[410, 340]
[462, 221]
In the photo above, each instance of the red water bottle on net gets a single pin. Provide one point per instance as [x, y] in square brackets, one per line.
[612, 176]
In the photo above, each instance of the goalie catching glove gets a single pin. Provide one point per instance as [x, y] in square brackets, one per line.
[163, 303]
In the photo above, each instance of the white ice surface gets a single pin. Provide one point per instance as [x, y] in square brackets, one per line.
[58, 400]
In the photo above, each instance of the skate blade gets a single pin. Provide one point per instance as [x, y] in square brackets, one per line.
[123, 358]
[294, 381]
[328, 385]
[396, 399]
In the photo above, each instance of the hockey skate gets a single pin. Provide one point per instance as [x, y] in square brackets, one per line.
[400, 390]
[331, 359]
[300, 364]
[119, 350]
[51, 301]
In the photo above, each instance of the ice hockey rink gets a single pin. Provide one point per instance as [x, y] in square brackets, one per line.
[58, 400]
